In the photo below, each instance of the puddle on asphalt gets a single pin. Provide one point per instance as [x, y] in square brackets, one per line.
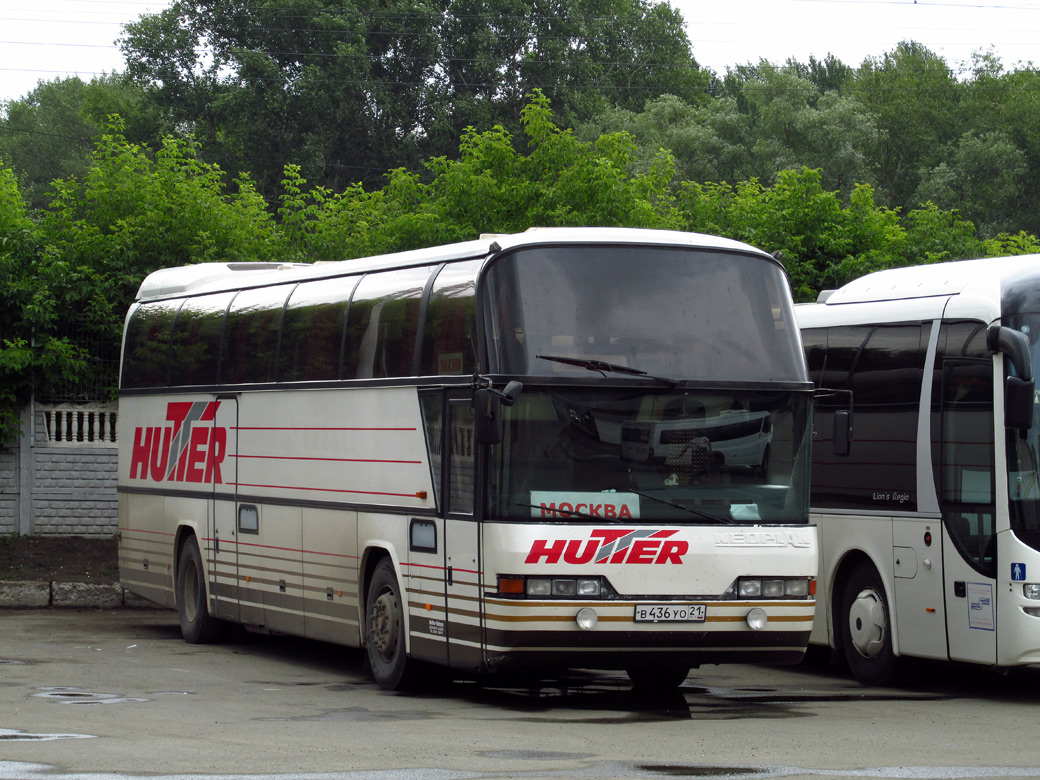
[534, 755]
[81, 697]
[702, 771]
[358, 715]
[14, 735]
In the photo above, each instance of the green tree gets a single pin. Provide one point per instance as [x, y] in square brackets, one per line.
[349, 91]
[913, 98]
[50, 133]
[983, 178]
[492, 187]
[37, 291]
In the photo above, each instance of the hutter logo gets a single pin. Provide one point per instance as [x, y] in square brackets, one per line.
[612, 545]
[182, 451]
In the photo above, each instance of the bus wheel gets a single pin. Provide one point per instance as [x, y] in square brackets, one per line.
[647, 679]
[197, 626]
[384, 630]
[866, 630]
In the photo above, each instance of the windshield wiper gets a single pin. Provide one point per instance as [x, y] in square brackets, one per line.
[694, 512]
[603, 367]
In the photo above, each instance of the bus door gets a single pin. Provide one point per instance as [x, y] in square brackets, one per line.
[223, 547]
[462, 537]
[968, 510]
[443, 576]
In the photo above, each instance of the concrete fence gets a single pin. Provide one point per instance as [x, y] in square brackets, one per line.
[59, 477]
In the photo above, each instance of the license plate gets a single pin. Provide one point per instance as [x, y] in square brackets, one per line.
[669, 613]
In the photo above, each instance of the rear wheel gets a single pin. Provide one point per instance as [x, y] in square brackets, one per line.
[198, 626]
[657, 678]
[384, 630]
[866, 629]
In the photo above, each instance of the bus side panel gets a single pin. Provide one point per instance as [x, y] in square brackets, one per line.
[330, 576]
[146, 554]
[917, 601]
[424, 583]
[843, 542]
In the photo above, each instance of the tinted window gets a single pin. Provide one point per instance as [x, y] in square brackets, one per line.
[682, 313]
[383, 324]
[882, 365]
[450, 329]
[195, 344]
[251, 335]
[312, 333]
[963, 445]
[147, 348]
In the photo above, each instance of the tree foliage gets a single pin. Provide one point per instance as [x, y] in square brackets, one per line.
[351, 90]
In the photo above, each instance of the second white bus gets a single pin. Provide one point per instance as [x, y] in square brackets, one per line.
[926, 462]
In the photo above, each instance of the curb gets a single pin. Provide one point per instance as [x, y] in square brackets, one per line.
[93, 595]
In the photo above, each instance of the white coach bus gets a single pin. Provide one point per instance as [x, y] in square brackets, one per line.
[925, 465]
[422, 454]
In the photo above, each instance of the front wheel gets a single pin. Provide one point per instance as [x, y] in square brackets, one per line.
[866, 629]
[198, 626]
[384, 630]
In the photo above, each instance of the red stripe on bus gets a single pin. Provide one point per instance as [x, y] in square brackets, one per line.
[287, 549]
[325, 490]
[260, 428]
[333, 460]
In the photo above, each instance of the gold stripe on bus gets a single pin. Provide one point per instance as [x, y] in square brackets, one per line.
[631, 603]
[494, 617]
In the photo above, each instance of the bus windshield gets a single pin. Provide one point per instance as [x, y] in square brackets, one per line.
[685, 456]
[668, 312]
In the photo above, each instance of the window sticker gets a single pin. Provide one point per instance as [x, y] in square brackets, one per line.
[980, 606]
[571, 505]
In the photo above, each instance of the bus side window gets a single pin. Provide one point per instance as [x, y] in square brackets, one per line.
[312, 330]
[966, 496]
[383, 324]
[450, 329]
[883, 366]
[251, 335]
[146, 352]
[462, 478]
[195, 343]
[432, 406]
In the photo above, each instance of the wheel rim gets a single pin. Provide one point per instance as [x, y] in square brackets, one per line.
[868, 625]
[385, 625]
[191, 591]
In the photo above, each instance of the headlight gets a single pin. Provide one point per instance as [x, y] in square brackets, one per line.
[545, 587]
[750, 588]
[1031, 590]
[776, 588]
[798, 587]
[539, 587]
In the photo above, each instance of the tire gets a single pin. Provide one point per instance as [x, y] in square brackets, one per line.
[384, 631]
[198, 626]
[657, 679]
[866, 629]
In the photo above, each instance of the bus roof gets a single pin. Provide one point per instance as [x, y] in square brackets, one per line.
[214, 277]
[923, 281]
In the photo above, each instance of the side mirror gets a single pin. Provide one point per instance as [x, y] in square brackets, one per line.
[842, 419]
[487, 411]
[1018, 403]
[842, 432]
[1018, 390]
